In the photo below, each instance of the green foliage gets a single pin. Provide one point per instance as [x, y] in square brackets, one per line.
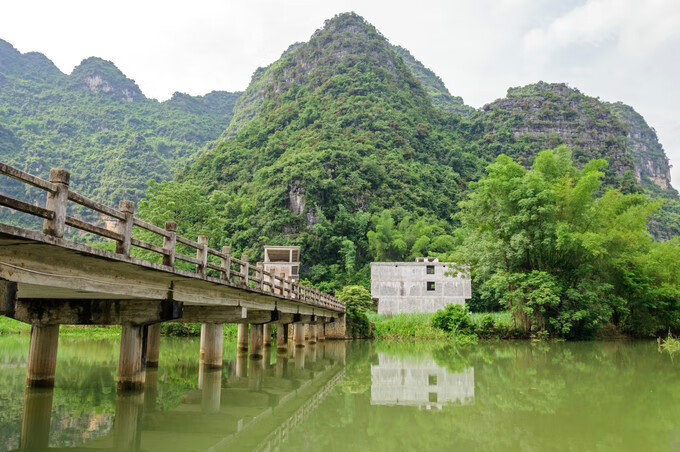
[357, 302]
[563, 257]
[97, 123]
[406, 327]
[453, 319]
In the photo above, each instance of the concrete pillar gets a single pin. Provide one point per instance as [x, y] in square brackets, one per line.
[267, 358]
[35, 424]
[127, 423]
[242, 339]
[212, 339]
[321, 332]
[132, 362]
[299, 334]
[282, 336]
[256, 343]
[312, 333]
[299, 357]
[241, 364]
[42, 356]
[153, 345]
[267, 335]
[211, 391]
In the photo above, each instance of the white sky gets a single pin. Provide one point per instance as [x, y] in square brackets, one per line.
[624, 50]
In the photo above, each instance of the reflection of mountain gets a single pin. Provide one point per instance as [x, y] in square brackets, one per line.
[419, 381]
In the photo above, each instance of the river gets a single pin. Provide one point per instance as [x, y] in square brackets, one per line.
[340, 396]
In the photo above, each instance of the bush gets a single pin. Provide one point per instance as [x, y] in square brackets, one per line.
[453, 319]
[357, 301]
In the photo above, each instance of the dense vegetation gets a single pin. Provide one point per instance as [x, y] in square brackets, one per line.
[97, 123]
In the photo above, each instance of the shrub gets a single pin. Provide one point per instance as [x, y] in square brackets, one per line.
[357, 301]
[453, 319]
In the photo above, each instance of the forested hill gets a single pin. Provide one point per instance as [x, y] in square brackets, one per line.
[97, 123]
[347, 133]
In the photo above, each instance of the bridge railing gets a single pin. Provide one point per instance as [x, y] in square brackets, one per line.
[230, 269]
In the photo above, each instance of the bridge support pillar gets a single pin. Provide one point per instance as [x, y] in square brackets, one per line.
[132, 362]
[299, 334]
[282, 336]
[212, 340]
[241, 364]
[321, 331]
[42, 356]
[312, 333]
[337, 329]
[153, 345]
[211, 391]
[242, 339]
[256, 342]
[267, 335]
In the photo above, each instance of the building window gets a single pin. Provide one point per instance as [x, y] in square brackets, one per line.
[432, 380]
[432, 397]
[430, 269]
[430, 286]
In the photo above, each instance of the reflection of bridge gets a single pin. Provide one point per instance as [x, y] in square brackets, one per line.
[254, 409]
[47, 280]
[419, 381]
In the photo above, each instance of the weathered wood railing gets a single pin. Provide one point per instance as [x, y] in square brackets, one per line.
[230, 269]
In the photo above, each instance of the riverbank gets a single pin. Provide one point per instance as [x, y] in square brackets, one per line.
[406, 327]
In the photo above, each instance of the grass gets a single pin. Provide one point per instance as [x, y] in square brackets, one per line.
[11, 326]
[671, 344]
[405, 327]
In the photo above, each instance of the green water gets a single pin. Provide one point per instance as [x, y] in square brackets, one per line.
[612, 396]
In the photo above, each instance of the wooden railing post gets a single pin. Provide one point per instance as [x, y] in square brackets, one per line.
[169, 244]
[56, 202]
[124, 227]
[202, 255]
[245, 268]
[226, 263]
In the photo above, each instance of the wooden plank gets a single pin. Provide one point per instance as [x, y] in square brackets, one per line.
[30, 179]
[90, 204]
[87, 227]
[25, 207]
[150, 227]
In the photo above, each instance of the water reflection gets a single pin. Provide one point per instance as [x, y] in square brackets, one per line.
[243, 405]
[419, 381]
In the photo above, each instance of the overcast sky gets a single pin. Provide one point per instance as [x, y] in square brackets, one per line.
[624, 50]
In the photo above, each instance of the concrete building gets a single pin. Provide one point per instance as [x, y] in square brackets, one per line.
[282, 259]
[415, 287]
[418, 381]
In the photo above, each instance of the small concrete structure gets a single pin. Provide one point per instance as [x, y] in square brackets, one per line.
[417, 287]
[282, 259]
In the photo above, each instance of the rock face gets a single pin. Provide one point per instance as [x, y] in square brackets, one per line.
[101, 76]
[544, 115]
[651, 164]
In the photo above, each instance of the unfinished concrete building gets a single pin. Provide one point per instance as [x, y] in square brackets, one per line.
[282, 259]
[425, 285]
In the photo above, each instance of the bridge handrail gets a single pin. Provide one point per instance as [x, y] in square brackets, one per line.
[231, 269]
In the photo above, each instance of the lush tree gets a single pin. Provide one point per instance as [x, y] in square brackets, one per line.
[563, 256]
[357, 301]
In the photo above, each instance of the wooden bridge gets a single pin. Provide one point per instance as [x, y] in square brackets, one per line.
[47, 278]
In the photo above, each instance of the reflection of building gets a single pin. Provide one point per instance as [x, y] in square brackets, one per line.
[282, 259]
[421, 286]
[419, 381]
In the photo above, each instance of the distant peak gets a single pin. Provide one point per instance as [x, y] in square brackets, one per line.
[102, 76]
